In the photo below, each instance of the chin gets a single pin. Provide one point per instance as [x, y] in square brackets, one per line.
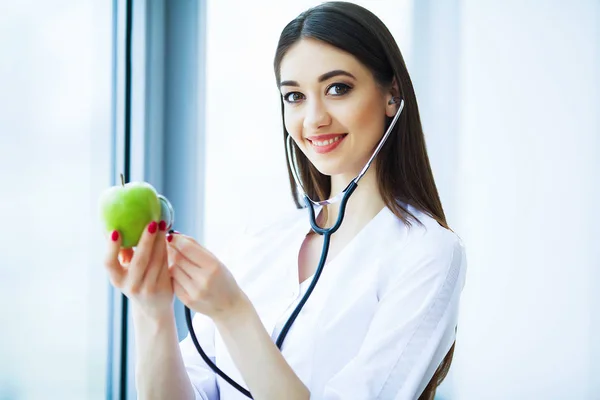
[332, 168]
[335, 164]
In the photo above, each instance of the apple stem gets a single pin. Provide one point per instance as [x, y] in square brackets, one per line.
[122, 180]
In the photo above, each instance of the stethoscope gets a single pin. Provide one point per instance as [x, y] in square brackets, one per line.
[342, 197]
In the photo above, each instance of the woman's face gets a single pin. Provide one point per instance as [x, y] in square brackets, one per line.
[334, 109]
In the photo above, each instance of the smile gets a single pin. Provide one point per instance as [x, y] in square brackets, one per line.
[328, 144]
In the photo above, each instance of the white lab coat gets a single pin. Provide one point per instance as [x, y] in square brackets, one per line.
[377, 325]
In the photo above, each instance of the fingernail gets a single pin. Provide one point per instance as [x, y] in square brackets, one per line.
[162, 225]
[169, 238]
[115, 236]
[152, 227]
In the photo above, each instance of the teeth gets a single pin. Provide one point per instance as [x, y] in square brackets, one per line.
[326, 142]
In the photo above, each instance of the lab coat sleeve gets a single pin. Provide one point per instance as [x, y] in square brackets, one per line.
[201, 375]
[413, 327]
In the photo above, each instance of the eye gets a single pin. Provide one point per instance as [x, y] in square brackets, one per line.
[293, 97]
[338, 89]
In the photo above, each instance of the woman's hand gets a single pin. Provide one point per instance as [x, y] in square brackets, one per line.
[201, 281]
[142, 275]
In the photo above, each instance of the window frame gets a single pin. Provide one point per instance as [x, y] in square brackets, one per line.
[158, 136]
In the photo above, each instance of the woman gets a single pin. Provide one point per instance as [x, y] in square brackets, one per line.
[381, 322]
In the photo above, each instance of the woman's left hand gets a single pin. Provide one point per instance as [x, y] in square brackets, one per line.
[201, 281]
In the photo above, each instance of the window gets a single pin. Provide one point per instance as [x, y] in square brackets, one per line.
[55, 159]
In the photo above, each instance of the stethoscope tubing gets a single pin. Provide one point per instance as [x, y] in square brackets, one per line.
[326, 233]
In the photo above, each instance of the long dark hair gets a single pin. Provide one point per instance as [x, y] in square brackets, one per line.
[403, 170]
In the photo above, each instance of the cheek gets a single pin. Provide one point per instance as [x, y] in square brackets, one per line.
[293, 124]
[363, 120]
[371, 117]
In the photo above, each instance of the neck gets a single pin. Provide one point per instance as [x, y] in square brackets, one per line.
[362, 205]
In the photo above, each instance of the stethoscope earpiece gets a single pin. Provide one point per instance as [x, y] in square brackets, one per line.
[394, 100]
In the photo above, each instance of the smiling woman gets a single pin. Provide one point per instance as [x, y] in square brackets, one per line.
[322, 108]
[377, 319]
[365, 69]
[341, 78]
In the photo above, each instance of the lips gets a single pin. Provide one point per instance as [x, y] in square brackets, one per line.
[326, 143]
[324, 137]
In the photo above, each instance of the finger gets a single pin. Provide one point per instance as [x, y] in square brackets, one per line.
[175, 257]
[192, 250]
[181, 293]
[181, 278]
[116, 272]
[179, 258]
[158, 259]
[143, 252]
[164, 270]
[125, 256]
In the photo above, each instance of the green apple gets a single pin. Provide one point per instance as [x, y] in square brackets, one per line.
[129, 208]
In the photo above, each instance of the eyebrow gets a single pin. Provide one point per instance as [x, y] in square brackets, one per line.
[322, 78]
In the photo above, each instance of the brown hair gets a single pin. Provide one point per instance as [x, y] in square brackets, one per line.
[403, 170]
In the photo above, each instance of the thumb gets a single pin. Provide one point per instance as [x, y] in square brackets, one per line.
[115, 270]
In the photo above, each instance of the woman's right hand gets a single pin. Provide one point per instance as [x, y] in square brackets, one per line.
[143, 275]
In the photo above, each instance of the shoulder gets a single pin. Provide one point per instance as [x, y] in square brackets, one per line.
[426, 251]
[431, 238]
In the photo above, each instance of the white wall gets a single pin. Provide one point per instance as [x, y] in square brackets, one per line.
[528, 198]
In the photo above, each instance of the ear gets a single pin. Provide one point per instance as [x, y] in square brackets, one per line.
[392, 99]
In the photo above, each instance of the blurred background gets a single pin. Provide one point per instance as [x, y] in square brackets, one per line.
[182, 94]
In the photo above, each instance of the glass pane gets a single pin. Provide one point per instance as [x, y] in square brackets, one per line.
[55, 159]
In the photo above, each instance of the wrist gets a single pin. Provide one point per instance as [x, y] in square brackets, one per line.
[141, 317]
[239, 314]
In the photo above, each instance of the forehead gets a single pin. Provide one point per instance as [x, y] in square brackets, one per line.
[310, 58]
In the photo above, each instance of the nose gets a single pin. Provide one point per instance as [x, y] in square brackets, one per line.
[316, 115]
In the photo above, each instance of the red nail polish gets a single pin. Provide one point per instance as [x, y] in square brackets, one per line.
[169, 238]
[162, 225]
[115, 236]
[152, 227]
